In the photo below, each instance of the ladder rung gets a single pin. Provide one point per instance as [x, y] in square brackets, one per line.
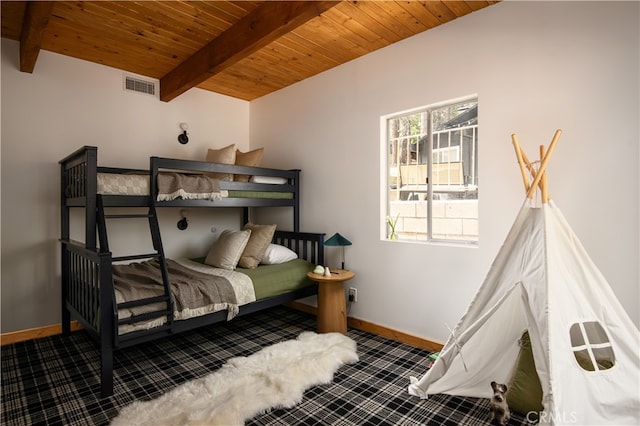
[143, 317]
[127, 216]
[140, 302]
[135, 257]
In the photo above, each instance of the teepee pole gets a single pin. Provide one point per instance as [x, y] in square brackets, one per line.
[525, 178]
[524, 162]
[543, 164]
[530, 167]
[543, 181]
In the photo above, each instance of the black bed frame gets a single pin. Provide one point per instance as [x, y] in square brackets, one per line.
[87, 284]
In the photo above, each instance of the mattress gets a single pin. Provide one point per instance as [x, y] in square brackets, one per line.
[138, 184]
[272, 280]
[266, 280]
[123, 184]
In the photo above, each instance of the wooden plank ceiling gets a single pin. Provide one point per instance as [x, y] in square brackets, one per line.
[243, 49]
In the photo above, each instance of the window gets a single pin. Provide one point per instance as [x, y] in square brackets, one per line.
[431, 173]
[591, 346]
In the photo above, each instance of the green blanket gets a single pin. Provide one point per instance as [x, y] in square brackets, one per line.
[260, 194]
[272, 280]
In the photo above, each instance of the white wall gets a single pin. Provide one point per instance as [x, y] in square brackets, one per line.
[536, 67]
[65, 104]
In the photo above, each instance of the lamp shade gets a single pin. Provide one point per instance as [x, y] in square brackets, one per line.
[337, 240]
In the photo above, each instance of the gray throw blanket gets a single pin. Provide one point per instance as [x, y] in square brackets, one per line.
[188, 187]
[192, 290]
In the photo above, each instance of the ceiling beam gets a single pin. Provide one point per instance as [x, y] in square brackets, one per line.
[36, 18]
[260, 27]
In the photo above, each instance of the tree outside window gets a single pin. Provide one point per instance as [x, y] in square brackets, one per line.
[432, 173]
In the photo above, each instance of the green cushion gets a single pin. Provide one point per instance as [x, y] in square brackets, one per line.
[260, 194]
[524, 393]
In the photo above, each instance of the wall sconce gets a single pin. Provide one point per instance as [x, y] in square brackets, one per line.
[182, 137]
[338, 240]
[182, 223]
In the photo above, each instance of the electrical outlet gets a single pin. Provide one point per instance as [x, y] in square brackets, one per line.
[353, 294]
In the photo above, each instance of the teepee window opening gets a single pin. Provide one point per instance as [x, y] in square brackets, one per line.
[431, 173]
[591, 346]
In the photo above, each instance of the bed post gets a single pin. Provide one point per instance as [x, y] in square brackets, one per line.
[296, 201]
[245, 216]
[108, 329]
[91, 190]
[106, 372]
[64, 236]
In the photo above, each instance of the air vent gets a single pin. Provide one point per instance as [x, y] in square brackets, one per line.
[138, 85]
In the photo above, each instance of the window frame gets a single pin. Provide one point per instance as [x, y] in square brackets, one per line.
[590, 337]
[386, 170]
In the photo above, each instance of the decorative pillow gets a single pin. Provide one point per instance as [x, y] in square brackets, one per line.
[226, 155]
[251, 158]
[261, 236]
[277, 254]
[227, 249]
[524, 394]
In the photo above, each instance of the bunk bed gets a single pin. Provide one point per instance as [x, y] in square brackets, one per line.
[89, 269]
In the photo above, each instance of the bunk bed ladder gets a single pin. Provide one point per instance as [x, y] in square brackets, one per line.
[154, 228]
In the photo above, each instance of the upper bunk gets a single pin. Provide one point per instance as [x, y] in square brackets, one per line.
[85, 184]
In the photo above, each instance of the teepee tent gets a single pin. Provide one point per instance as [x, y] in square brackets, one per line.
[584, 345]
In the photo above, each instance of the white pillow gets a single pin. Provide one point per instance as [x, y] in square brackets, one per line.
[272, 180]
[227, 249]
[276, 254]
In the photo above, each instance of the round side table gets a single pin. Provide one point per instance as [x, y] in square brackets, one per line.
[332, 309]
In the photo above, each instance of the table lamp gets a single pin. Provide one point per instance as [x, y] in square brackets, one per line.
[338, 240]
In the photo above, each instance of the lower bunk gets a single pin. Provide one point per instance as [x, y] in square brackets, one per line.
[125, 305]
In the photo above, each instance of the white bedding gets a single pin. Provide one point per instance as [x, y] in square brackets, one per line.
[123, 184]
[134, 184]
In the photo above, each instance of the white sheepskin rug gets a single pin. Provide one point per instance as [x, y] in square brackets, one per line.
[274, 377]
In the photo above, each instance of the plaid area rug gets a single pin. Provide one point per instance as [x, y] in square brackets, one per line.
[55, 380]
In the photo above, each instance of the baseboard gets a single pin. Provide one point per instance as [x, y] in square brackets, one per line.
[35, 333]
[398, 336]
